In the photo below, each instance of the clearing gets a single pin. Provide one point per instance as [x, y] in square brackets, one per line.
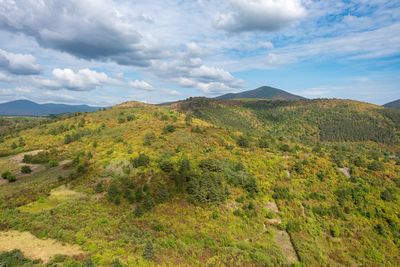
[57, 197]
[35, 248]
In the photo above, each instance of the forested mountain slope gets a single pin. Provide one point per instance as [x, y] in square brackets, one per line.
[394, 104]
[208, 182]
[264, 92]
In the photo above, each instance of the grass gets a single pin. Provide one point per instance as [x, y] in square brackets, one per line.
[57, 197]
[35, 248]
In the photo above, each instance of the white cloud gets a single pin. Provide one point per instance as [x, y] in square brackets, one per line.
[81, 80]
[89, 29]
[141, 85]
[19, 64]
[260, 15]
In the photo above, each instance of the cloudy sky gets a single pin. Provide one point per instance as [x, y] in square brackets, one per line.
[102, 52]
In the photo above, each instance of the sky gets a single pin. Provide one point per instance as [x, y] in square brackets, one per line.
[104, 52]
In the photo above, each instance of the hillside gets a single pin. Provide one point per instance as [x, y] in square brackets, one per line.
[29, 108]
[205, 182]
[264, 92]
[394, 104]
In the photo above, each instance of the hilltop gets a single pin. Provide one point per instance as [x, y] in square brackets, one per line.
[264, 92]
[29, 108]
[394, 104]
[205, 182]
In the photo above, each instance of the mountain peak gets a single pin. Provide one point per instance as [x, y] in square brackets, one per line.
[264, 92]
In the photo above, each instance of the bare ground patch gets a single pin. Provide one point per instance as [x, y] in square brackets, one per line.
[282, 239]
[35, 248]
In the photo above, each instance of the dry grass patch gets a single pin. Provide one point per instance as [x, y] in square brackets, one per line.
[35, 248]
[57, 197]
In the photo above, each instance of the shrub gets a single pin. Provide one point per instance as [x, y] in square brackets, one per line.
[243, 142]
[141, 161]
[130, 117]
[8, 176]
[14, 146]
[114, 194]
[5, 175]
[121, 120]
[169, 128]
[26, 169]
[52, 163]
[281, 193]
[376, 166]
[166, 166]
[149, 138]
[388, 195]
[148, 252]
[334, 231]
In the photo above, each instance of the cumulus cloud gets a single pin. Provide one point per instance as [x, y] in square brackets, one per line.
[260, 15]
[189, 71]
[90, 29]
[18, 64]
[81, 80]
[141, 85]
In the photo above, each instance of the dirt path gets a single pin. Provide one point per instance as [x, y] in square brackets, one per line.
[281, 237]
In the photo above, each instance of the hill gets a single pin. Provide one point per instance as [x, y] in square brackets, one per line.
[394, 104]
[205, 182]
[29, 108]
[264, 92]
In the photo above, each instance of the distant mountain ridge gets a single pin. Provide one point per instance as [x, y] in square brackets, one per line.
[394, 104]
[264, 92]
[29, 108]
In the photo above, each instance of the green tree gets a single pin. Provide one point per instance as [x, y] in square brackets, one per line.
[148, 252]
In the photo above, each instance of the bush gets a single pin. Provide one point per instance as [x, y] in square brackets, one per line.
[26, 169]
[388, 195]
[52, 163]
[5, 175]
[281, 193]
[40, 158]
[149, 138]
[169, 128]
[114, 194]
[14, 146]
[8, 176]
[243, 142]
[166, 166]
[15, 258]
[141, 161]
[148, 252]
[376, 166]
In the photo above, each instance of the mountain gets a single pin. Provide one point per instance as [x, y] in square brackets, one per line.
[264, 92]
[203, 182]
[29, 108]
[394, 104]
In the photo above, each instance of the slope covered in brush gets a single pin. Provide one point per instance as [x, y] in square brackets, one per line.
[210, 183]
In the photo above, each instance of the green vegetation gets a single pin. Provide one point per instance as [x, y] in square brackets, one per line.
[196, 184]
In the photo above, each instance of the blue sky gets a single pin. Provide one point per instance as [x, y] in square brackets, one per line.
[103, 52]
